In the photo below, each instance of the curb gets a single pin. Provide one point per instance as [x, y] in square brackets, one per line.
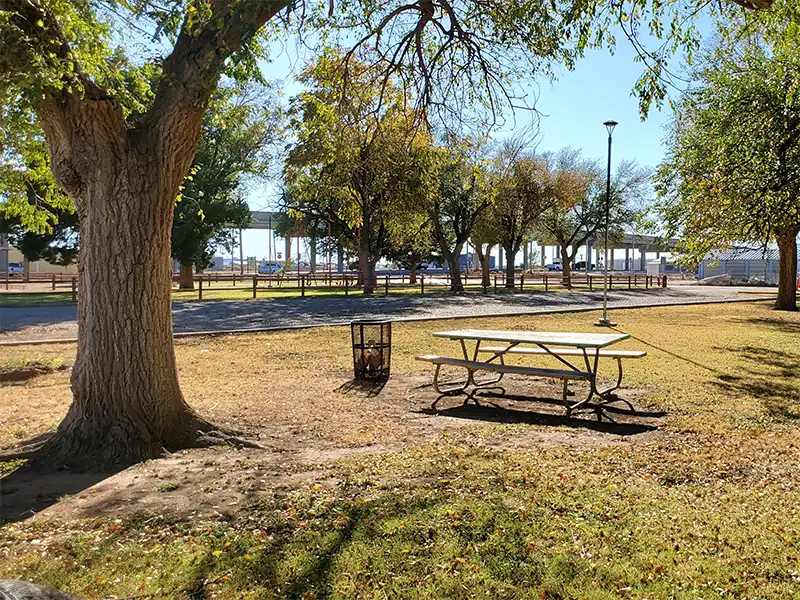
[277, 328]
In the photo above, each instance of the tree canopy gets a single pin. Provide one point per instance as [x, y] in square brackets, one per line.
[578, 215]
[356, 162]
[459, 194]
[732, 172]
[239, 132]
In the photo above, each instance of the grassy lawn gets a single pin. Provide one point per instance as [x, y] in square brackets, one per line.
[34, 299]
[368, 496]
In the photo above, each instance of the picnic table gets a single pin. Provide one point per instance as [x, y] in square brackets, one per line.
[562, 346]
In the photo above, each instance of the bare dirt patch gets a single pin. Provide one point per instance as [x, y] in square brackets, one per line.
[302, 443]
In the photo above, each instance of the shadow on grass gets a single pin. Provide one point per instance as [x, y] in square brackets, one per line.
[769, 376]
[494, 413]
[26, 491]
[782, 325]
[295, 568]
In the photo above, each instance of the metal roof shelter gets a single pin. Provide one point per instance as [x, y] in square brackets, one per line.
[742, 262]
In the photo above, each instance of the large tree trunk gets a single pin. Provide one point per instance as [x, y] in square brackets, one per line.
[452, 256]
[366, 266]
[412, 277]
[127, 404]
[510, 254]
[787, 276]
[187, 276]
[484, 258]
[566, 268]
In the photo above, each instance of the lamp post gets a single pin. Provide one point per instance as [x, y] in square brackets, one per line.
[604, 322]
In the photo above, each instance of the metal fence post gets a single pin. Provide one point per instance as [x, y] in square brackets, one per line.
[74, 290]
[495, 282]
[200, 292]
[422, 284]
[646, 281]
[54, 282]
[255, 285]
[386, 287]
[629, 282]
[663, 281]
[589, 278]
[302, 285]
[346, 285]
[545, 282]
[521, 282]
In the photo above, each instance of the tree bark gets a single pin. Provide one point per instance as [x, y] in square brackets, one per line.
[484, 257]
[366, 266]
[566, 268]
[187, 276]
[787, 276]
[510, 254]
[452, 257]
[127, 404]
[412, 278]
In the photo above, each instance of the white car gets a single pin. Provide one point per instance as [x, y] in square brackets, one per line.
[15, 268]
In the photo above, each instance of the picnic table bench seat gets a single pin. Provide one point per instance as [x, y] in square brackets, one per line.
[501, 369]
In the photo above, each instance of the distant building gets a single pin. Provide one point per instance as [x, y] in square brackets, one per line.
[742, 263]
[465, 261]
[9, 254]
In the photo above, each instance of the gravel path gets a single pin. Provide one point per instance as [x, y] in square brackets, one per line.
[59, 322]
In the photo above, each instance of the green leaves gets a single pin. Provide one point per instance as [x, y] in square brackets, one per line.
[240, 134]
[732, 174]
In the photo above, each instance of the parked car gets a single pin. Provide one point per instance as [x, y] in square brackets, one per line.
[554, 266]
[15, 268]
[581, 266]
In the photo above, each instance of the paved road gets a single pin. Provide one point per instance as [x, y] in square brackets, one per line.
[47, 322]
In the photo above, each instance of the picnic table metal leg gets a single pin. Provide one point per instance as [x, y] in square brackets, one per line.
[608, 395]
[450, 391]
[477, 385]
[605, 396]
[591, 368]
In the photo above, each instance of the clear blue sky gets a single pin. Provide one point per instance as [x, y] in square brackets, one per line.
[573, 109]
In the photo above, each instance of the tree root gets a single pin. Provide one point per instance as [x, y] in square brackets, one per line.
[207, 434]
[117, 450]
[27, 449]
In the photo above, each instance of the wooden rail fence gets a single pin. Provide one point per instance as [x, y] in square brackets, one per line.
[305, 283]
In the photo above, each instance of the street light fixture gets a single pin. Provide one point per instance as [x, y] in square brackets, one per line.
[604, 322]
